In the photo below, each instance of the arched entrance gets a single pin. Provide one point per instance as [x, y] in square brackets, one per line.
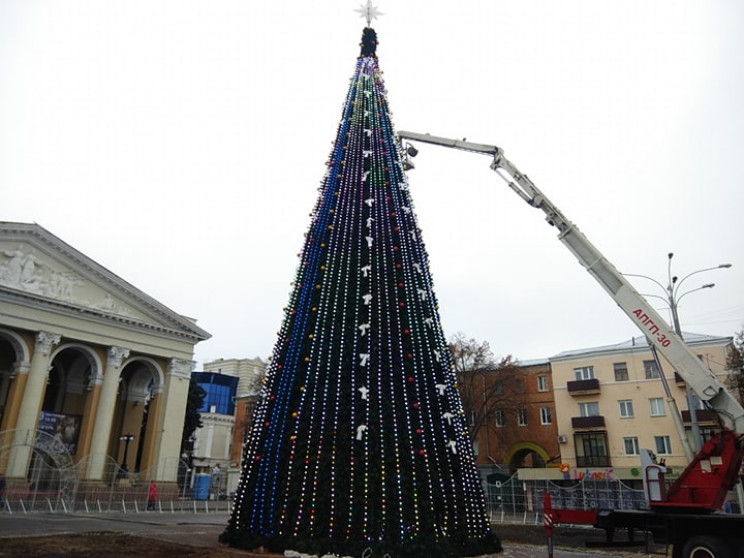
[526, 455]
[134, 425]
[73, 371]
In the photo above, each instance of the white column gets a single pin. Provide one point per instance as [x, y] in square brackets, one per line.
[175, 393]
[105, 413]
[28, 414]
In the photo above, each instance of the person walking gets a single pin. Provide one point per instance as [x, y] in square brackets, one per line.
[152, 496]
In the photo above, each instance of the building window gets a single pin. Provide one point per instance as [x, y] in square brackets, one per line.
[626, 408]
[657, 407]
[476, 448]
[522, 417]
[631, 446]
[663, 445]
[472, 418]
[542, 383]
[546, 415]
[591, 449]
[621, 371]
[519, 385]
[584, 373]
[498, 387]
[500, 419]
[650, 369]
[589, 409]
[219, 392]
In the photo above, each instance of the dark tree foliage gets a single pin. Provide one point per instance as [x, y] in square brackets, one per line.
[193, 420]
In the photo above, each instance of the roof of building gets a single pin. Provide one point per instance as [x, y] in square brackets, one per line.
[65, 280]
[640, 343]
[533, 362]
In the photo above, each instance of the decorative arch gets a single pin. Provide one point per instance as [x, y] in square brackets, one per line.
[141, 379]
[51, 469]
[521, 449]
[19, 345]
[96, 366]
[154, 368]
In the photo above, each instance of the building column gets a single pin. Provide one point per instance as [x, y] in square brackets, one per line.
[152, 435]
[105, 413]
[33, 396]
[172, 415]
[89, 410]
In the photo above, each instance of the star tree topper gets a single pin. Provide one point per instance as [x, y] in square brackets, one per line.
[369, 12]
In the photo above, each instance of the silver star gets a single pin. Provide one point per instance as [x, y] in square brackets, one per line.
[369, 12]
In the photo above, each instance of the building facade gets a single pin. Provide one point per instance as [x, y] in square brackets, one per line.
[93, 372]
[611, 404]
[512, 418]
[230, 425]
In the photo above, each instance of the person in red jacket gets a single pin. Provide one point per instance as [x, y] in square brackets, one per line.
[152, 496]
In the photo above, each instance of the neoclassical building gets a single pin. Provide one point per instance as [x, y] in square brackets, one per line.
[94, 373]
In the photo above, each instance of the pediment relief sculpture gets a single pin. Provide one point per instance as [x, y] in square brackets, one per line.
[23, 268]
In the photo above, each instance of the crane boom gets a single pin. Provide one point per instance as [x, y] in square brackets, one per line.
[654, 327]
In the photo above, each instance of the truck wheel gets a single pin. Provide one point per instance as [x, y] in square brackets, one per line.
[705, 547]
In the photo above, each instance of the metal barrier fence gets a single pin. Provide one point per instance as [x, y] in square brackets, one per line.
[54, 483]
[126, 505]
[510, 501]
[517, 501]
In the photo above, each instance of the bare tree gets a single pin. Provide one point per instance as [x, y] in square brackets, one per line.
[488, 388]
[735, 363]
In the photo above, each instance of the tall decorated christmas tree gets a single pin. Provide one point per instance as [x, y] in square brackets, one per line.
[358, 445]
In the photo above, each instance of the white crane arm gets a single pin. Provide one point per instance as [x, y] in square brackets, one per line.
[654, 327]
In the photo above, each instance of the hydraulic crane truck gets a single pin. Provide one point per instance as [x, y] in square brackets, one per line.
[685, 514]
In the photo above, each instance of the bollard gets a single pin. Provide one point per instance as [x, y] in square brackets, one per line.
[548, 523]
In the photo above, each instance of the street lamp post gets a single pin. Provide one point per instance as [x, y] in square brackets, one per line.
[126, 438]
[672, 298]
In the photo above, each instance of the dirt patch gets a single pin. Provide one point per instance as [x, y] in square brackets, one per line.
[109, 545]
[122, 545]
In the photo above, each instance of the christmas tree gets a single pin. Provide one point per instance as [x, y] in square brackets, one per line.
[358, 445]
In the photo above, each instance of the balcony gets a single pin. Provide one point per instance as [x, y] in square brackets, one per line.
[583, 387]
[587, 422]
[703, 415]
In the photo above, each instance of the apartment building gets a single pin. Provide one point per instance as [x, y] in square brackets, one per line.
[512, 418]
[611, 403]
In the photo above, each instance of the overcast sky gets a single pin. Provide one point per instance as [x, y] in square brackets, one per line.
[180, 144]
